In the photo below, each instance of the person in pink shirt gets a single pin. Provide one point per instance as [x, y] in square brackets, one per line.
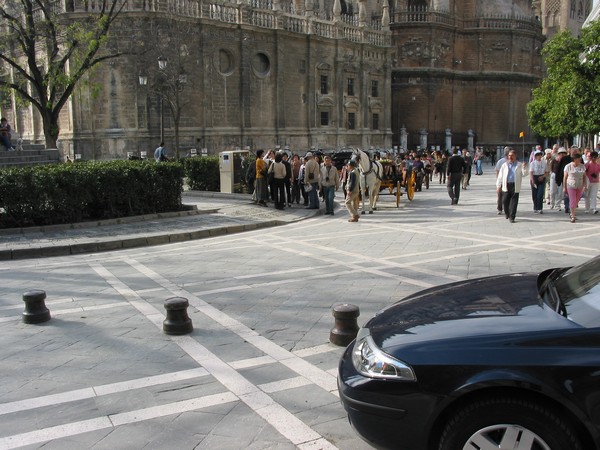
[575, 183]
[592, 171]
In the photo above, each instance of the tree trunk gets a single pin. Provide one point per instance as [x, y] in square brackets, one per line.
[51, 130]
[177, 137]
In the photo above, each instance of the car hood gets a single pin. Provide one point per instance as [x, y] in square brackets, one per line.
[489, 306]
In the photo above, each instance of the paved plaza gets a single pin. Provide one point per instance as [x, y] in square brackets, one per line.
[258, 371]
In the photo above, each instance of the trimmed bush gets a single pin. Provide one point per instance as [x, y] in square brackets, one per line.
[203, 173]
[68, 193]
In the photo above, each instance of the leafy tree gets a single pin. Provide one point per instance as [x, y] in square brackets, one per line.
[589, 70]
[45, 51]
[552, 111]
[567, 101]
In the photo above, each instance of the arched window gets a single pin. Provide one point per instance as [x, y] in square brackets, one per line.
[417, 5]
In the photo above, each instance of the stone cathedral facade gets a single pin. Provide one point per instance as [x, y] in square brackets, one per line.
[304, 74]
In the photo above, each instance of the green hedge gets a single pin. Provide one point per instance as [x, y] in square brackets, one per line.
[68, 193]
[203, 173]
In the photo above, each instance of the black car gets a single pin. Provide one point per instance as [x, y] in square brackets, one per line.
[510, 362]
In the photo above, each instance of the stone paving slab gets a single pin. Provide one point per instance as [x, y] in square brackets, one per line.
[210, 214]
[257, 371]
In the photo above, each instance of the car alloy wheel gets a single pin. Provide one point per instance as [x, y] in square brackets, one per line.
[506, 437]
[508, 423]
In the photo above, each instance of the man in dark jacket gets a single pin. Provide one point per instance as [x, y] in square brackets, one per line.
[456, 166]
[352, 191]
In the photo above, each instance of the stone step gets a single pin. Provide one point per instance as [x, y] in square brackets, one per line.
[26, 163]
[29, 157]
[18, 157]
[26, 147]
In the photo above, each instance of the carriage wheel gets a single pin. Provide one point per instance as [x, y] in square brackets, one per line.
[398, 194]
[410, 186]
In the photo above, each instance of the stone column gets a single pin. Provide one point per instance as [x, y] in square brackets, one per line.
[385, 15]
[448, 139]
[423, 138]
[337, 11]
[470, 139]
[362, 13]
[403, 139]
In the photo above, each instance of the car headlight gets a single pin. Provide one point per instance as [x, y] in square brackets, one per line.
[372, 362]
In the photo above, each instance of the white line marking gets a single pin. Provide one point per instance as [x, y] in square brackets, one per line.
[303, 368]
[282, 385]
[111, 421]
[277, 416]
[317, 350]
[97, 391]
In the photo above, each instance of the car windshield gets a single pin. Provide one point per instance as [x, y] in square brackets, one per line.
[579, 292]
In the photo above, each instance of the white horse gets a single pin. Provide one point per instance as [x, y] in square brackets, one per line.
[370, 177]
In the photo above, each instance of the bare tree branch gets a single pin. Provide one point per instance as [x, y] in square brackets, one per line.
[49, 54]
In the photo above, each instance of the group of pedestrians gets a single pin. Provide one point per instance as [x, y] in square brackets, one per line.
[312, 177]
[284, 182]
[557, 177]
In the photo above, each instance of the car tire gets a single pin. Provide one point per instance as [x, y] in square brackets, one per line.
[508, 420]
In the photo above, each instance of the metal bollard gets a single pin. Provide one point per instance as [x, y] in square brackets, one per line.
[346, 326]
[35, 307]
[177, 320]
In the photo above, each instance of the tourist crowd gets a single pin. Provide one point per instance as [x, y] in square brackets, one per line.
[558, 178]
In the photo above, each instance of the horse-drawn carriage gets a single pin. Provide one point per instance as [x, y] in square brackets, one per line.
[377, 176]
[397, 177]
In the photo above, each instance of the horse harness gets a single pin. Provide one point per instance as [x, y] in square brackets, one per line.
[365, 173]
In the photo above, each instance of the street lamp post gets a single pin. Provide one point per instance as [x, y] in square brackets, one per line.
[169, 85]
[162, 66]
[143, 80]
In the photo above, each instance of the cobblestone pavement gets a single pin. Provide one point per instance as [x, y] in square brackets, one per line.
[258, 371]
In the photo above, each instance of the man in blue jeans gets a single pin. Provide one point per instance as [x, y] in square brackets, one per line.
[330, 182]
[538, 169]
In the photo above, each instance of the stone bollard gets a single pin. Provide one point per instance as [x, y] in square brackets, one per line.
[177, 321]
[346, 326]
[35, 307]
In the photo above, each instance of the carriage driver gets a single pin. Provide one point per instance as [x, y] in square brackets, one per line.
[352, 191]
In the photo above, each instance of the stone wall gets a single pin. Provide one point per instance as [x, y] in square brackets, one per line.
[466, 72]
[246, 86]
[254, 80]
